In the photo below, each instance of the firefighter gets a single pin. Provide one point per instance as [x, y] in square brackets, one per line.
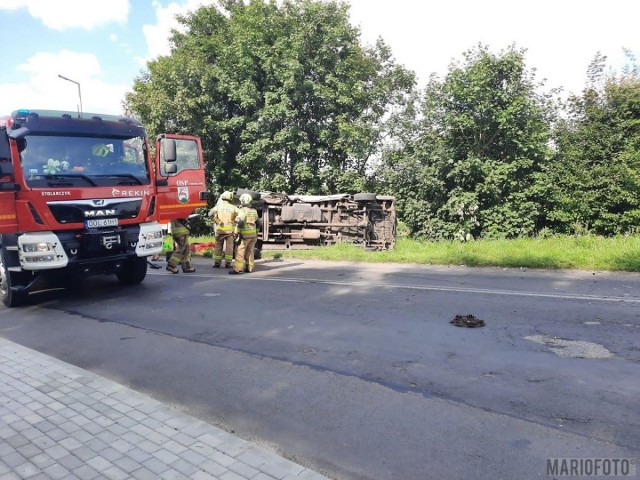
[180, 230]
[224, 216]
[248, 235]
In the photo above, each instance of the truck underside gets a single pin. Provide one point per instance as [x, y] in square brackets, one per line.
[309, 221]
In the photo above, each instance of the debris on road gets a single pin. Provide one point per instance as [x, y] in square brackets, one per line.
[468, 321]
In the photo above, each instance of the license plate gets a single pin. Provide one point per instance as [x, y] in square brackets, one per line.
[101, 222]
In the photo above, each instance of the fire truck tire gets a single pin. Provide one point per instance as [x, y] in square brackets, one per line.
[364, 197]
[9, 298]
[133, 272]
[73, 281]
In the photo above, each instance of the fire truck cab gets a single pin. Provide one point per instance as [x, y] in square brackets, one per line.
[80, 194]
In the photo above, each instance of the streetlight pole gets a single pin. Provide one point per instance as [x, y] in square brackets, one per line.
[79, 93]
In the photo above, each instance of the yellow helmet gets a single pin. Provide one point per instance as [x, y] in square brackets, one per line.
[227, 195]
[246, 199]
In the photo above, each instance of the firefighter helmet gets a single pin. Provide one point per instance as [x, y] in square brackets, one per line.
[245, 199]
[227, 195]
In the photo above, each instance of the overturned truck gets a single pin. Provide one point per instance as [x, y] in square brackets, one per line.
[309, 221]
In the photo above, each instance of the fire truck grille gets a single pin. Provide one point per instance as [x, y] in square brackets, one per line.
[80, 210]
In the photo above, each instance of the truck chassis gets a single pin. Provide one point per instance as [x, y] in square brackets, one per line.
[309, 221]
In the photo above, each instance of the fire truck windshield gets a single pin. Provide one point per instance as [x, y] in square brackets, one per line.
[49, 159]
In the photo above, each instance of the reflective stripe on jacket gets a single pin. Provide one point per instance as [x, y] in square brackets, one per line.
[247, 219]
[179, 228]
[224, 216]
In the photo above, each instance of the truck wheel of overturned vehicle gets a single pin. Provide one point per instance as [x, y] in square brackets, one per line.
[10, 298]
[254, 195]
[364, 197]
[133, 272]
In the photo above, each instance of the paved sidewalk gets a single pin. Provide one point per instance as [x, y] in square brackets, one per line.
[58, 421]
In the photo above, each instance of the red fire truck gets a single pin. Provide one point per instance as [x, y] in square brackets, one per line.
[80, 194]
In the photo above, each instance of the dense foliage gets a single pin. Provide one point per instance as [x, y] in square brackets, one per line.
[595, 175]
[470, 165]
[286, 97]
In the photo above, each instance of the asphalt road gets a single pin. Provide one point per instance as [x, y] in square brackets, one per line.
[355, 370]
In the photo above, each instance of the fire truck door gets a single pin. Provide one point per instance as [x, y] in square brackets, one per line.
[179, 161]
[8, 217]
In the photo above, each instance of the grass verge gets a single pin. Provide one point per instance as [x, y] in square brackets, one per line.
[559, 252]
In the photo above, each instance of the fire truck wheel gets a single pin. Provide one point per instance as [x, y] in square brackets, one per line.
[9, 297]
[73, 281]
[133, 272]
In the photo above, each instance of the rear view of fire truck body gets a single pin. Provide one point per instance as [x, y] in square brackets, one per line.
[81, 195]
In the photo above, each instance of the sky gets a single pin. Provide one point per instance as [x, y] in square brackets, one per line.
[101, 46]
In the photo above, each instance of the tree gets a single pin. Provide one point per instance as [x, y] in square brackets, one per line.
[284, 96]
[596, 170]
[471, 162]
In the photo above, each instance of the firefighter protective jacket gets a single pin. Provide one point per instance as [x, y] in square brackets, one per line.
[247, 220]
[179, 227]
[224, 216]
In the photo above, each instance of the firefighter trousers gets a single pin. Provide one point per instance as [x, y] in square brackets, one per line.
[223, 249]
[181, 252]
[244, 254]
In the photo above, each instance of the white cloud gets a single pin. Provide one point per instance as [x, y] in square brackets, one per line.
[561, 37]
[43, 63]
[157, 35]
[45, 90]
[12, 4]
[63, 14]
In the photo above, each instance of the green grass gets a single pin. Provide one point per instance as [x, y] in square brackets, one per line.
[558, 252]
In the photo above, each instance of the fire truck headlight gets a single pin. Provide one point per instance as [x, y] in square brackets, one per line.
[154, 234]
[40, 258]
[36, 247]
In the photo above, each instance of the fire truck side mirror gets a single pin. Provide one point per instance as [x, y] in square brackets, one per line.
[21, 143]
[6, 166]
[169, 156]
[169, 150]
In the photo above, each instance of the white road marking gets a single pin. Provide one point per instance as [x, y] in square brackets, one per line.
[485, 291]
[453, 289]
